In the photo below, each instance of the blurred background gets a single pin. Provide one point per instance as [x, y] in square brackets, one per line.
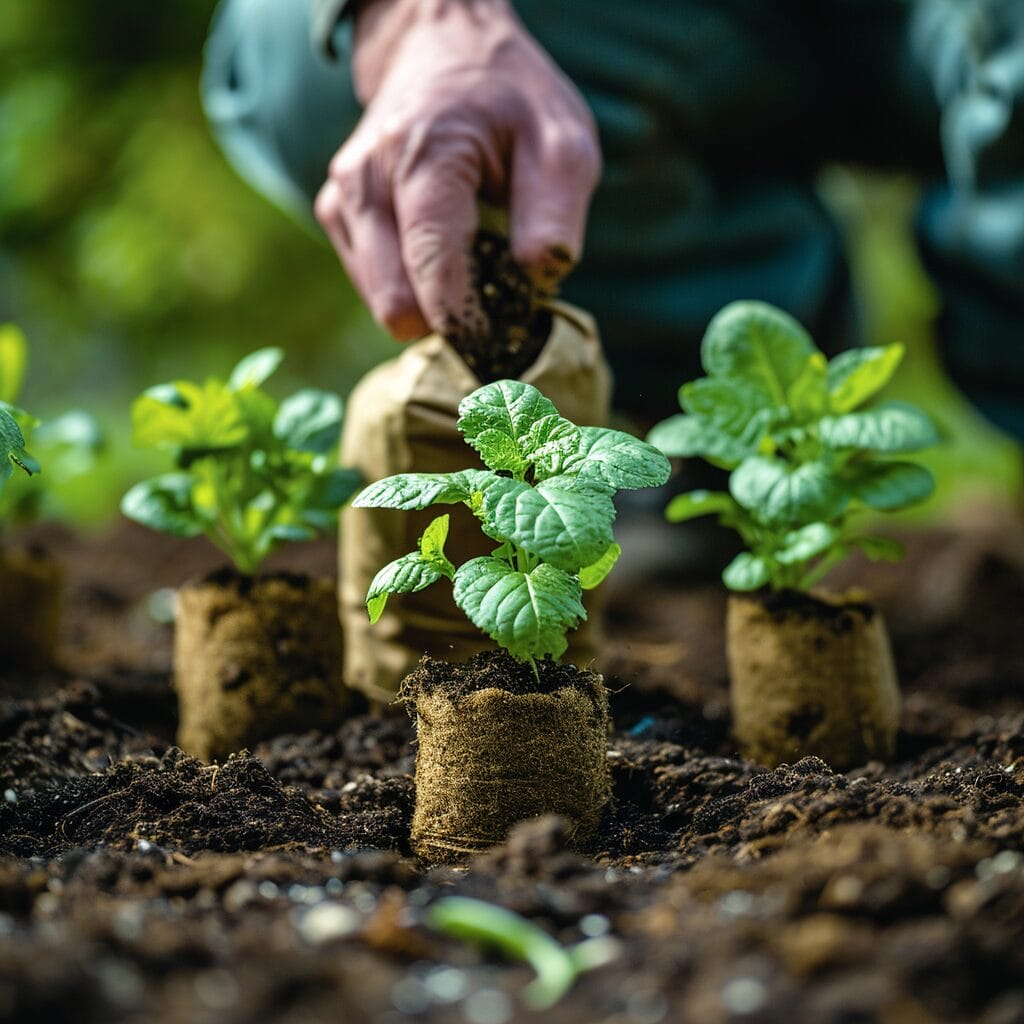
[130, 253]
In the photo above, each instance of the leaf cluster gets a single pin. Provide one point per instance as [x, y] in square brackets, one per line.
[803, 456]
[250, 472]
[545, 499]
[68, 444]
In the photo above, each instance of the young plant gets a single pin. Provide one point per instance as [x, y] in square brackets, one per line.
[250, 472]
[68, 444]
[803, 459]
[545, 498]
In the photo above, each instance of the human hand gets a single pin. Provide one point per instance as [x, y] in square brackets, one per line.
[461, 103]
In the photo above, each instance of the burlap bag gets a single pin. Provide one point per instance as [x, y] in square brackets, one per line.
[31, 595]
[401, 419]
[811, 676]
[255, 658]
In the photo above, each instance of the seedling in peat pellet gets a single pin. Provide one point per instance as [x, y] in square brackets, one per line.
[804, 461]
[545, 500]
[252, 656]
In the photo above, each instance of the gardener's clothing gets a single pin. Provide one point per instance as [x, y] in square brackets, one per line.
[714, 117]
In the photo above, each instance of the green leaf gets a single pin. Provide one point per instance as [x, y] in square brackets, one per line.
[500, 452]
[806, 543]
[593, 575]
[747, 572]
[431, 545]
[857, 375]
[291, 532]
[687, 436]
[408, 491]
[12, 447]
[309, 420]
[880, 549]
[889, 486]
[165, 504]
[405, 575]
[738, 409]
[331, 490]
[561, 521]
[808, 394]
[507, 406]
[210, 419]
[528, 614]
[698, 503]
[253, 369]
[551, 442]
[758, 345]
[778, 494]
[893, 427]
[615, 459]
[13, 361]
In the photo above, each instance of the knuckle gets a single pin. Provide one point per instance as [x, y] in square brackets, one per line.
[575, 151]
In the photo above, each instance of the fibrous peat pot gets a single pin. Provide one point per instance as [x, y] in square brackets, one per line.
[254, 658]
[495, 747]
[811, 675]
[31, 593]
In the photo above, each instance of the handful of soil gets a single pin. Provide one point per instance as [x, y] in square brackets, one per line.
[516, 326]
[254, 658]
[811, 676]
[497, 745]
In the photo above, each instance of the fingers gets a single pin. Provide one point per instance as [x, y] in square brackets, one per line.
[554, 174]
[435, 197]
[360, 222]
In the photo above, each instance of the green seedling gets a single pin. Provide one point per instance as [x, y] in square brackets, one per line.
[250, 472]
[68, 445]
[545, 499]
[804, 459]
[556, 966]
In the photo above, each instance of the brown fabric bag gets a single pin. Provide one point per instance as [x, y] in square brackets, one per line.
[401, 419]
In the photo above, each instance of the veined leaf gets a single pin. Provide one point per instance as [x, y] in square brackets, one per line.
[758, 345]
[777, 493]
[686, 436]
[252, 370]
[698, 503]
[892, 428]
[506, 407]
[739, 410]
[404, 575]
[309, 420]
[431, 545]
[617, 460]
[808, 394]
[808, 542]
[164, 503]
[593, 575]
[889, 486]
[550, 444]
[13, 360]
[501, 452]
[857, 375]
[526, 613]
[12, 448]
[747, 572]
[408, 491]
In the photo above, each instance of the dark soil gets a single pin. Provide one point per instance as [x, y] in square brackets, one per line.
[806, 606]
[516, 328]
[138, 885]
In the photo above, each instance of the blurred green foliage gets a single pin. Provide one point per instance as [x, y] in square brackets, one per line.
[131, 253]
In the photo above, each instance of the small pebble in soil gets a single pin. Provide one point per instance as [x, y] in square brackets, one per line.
[327, 922]
[239, 894]
[410, 995]
[744, 995]
[594, 925]
[738, 903]
[488, 1006]
[267, 889]
[10, 796]
[447, 984]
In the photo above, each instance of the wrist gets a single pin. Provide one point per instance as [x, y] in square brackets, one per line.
[382, 27]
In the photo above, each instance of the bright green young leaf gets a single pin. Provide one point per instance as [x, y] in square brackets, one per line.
[252, 370]
[857, 375]
[808, 542]
[405, 575]
[310, 420]
[807, 397]
[13, 360]
[747, 572]
[593, 575]
[501, 452]
[686, 436]
[550, 444]
[210, 419]
[778, 493]
[526, 613]
[880, 549]
[508, 406]
[890, 486]
[698, 503]
[758, 345]
[432, 543]
[615, 459]
[165, 504]
[891, 428]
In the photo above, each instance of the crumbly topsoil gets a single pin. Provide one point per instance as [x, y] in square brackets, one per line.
[517, 328]
[137, 884]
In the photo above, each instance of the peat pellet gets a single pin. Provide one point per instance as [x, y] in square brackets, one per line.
[811, 676]
[496, 747]
[254, 658]
[31, 595]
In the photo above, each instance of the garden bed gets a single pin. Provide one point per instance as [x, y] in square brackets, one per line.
[138, 884]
